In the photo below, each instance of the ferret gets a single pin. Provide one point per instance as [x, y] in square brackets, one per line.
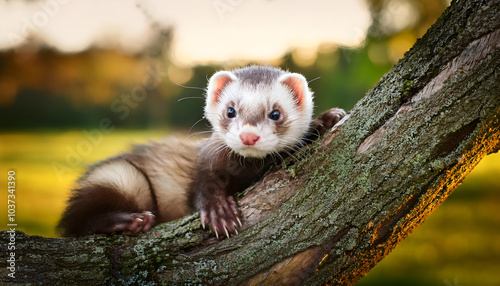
[258, 114]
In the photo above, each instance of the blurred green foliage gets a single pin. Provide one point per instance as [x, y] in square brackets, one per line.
[85, 100]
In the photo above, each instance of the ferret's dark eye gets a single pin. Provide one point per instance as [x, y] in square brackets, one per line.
[231, 113]
[275, 115]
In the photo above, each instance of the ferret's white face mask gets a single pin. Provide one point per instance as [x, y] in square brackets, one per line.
[255, 120]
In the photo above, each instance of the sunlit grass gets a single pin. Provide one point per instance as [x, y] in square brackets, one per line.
[42, 189]
[459, 244]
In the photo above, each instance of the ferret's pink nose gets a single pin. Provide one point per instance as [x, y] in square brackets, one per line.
[249, 138]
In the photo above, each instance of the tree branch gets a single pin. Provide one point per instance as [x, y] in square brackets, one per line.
[333, 214]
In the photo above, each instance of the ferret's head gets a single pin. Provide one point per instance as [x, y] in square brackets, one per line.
[258, 110]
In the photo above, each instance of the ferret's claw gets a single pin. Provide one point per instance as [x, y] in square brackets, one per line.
[216, 233]
[203, 218]
[203, 222]
[128, 223]
[221, 215]
[148, 213]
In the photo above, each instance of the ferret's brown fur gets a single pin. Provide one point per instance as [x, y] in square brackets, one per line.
[258, 114]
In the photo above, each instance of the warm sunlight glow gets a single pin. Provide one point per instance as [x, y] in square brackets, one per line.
[257, 30]
[204, 31]
[73, 26]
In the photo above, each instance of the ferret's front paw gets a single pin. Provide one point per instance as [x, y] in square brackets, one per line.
[128, 223]
[328, 119]
[221, 213]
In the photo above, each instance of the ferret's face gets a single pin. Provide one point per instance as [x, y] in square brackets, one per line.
[255, 120]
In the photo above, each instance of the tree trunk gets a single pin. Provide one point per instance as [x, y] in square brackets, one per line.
[331, 215]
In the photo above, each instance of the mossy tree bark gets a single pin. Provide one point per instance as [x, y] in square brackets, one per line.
[331, 215]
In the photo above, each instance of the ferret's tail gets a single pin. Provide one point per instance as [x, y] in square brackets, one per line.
[113, 197]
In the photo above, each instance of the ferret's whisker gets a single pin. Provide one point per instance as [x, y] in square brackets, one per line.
[198, 121]
[313, 79]
[189, 97]
[190, 87]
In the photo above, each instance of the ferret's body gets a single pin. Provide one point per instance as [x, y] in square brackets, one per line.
[258, 114]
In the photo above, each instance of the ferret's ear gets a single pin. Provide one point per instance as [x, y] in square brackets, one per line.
[216, 84]
[298, 86]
